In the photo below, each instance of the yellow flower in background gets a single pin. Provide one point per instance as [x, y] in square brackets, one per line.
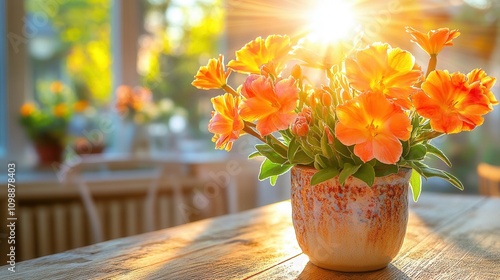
[56, 87]
[27, 109]
[60, 110]
[435, 40]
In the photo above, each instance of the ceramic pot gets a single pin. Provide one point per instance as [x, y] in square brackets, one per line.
[49, 152]
[353, 227]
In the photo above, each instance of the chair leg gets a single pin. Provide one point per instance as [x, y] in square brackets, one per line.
[95, 221]
[149, 215]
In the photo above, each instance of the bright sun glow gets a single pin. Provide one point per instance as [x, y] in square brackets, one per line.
[331, 20]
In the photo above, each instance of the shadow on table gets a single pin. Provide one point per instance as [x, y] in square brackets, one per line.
[456, 224]
[313, 272]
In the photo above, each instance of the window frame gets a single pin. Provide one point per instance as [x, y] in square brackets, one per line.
[3, 83]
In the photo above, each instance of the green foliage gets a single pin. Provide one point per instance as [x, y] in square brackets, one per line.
[46, 120]
[167, 63]
[84, 29]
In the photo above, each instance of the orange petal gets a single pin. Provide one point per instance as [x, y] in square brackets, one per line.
[387, 149]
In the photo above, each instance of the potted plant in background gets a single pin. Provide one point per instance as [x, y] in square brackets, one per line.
[131, 104]
[354, 123]
[83, 127]
[45, 121]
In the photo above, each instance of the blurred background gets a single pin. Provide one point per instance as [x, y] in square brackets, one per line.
[63, 62]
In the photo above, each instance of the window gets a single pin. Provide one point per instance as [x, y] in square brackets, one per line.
[178, 37]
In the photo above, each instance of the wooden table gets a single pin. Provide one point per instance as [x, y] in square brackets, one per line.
[448, 237]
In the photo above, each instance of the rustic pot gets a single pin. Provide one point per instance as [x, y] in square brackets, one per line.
[49, 152]
[350, 228]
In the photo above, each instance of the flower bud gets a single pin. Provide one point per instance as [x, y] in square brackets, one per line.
[329, 135]
[326, 99]
[296, 71]
[300, 127]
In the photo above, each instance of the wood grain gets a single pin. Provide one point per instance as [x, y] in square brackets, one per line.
[448, 237]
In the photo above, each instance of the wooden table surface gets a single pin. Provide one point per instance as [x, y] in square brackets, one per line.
[448, 237]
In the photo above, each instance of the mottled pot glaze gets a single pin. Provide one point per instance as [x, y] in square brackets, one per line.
[352, 227]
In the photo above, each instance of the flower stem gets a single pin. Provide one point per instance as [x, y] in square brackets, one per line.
[227, 88]
[429, 136]
[248, 129]
[273, 140]
[432, 64]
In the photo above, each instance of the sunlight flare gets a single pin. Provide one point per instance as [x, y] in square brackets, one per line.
[331, 20]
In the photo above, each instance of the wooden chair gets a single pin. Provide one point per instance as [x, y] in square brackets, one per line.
[99, 167]
[489, 179]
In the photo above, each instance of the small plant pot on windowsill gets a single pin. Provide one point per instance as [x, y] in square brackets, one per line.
[49, 151]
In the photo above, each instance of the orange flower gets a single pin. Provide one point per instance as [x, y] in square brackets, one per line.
[272, 106]
[56, 87]
[212, 76]
[226, 123]
[123, 99]
[60, 110]
[80, 106]
[27, 109]
[374, 126]
[486, 81]
[134, 99]
[269, 53]
[380, 68]
[435, 40]
[451, 103]
[140, 98]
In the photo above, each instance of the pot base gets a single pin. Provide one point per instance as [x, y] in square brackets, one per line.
[351, 227]
[349, 268]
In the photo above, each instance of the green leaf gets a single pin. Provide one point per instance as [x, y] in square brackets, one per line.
[341, 149]
[313, 141]
[382, 169]
[296, 155]
[326, 149]
[323, 175]
[347, 171]
[454, 180]
[254, 155]
[320, 162]
[415, 184]
[302, 158]
[427, 172]
[292, 149]
[433, 150]
[273, 180]
[366, 173]
[417, 152]
[406, 148]
[270, 153]
[276, 145]
[268, 169]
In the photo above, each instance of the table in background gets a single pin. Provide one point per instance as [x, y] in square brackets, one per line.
[448, 237]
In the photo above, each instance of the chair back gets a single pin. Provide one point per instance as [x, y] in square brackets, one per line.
[489, 179]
